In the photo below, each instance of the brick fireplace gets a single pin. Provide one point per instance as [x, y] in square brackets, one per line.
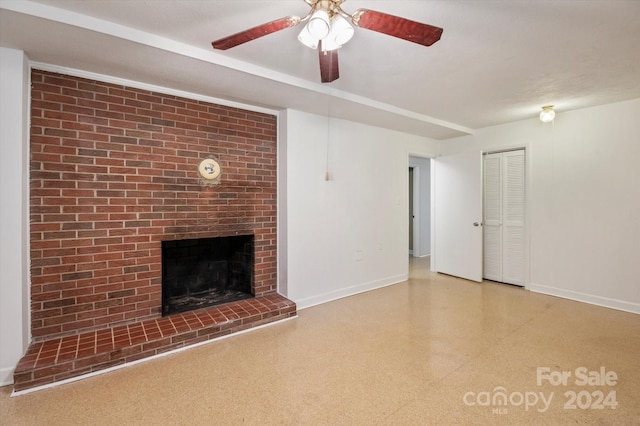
[113, 174]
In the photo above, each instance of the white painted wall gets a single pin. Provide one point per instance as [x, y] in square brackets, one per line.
[423, 165]
[14, 285]
[347, 234]
[583, 203]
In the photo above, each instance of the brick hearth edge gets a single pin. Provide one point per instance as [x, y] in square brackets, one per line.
[60, 359]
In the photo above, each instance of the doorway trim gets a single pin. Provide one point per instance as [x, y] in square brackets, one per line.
[415, 214]
[419, 171]
[526, 146]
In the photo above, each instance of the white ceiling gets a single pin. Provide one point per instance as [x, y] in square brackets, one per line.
[497, 61]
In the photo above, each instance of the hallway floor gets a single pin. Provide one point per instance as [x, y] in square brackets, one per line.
[432, 350]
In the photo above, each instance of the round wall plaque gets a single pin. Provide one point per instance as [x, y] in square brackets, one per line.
[209, 169]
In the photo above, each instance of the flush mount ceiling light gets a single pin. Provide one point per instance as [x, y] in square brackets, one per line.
[547, 114]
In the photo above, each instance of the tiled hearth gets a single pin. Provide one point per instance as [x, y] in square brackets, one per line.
[67, 357]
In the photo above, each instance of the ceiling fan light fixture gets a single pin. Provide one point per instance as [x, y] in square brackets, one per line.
[319, 25]
[329, 44]
[328, 27]
[547, 114]
[340, 33]
[307, 39]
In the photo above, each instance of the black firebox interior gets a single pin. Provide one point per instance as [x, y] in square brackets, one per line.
[204, 272]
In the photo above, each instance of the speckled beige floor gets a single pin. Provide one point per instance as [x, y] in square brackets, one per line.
[433, 350]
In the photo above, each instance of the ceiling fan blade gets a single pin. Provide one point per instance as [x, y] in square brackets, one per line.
[328, 65]
[395, 26]
[255, 32]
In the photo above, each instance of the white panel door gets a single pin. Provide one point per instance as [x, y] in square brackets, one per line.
[458, 215]
[513, 240]
[492, 188]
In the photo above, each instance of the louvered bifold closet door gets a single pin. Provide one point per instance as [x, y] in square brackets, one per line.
[513, 218]
[492, 206]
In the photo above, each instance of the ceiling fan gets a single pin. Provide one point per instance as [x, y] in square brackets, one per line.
[329, 27]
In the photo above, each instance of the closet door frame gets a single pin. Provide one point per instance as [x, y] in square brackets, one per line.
[528, 204]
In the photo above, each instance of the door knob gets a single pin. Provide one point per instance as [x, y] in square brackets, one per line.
[477, 224]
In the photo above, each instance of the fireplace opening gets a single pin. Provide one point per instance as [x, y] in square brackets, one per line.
[205, 272]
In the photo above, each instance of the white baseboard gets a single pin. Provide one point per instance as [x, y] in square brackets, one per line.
[6, 376]
[308, 302]
[592, 299]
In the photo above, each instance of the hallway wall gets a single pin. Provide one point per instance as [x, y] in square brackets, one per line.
[350, 233]
[423, 165]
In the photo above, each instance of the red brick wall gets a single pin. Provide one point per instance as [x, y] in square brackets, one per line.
[113, 173]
